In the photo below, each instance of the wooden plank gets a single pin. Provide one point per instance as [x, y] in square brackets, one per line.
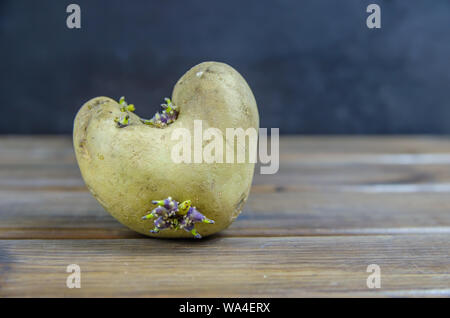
[290, 177]
[411, 265]
[50, 168]
[50, 215]
[413, 144]
[36, 150]
[46, 215]
[51, 149]
[47, 163]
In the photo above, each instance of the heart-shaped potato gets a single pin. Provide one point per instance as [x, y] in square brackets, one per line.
[125, 168]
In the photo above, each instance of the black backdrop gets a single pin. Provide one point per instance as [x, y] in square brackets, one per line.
[313, 65]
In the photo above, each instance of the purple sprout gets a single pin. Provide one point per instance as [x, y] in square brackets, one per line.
[162, 119]
[166, 117]
[171, 214]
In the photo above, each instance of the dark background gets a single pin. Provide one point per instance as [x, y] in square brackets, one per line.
[314, 66]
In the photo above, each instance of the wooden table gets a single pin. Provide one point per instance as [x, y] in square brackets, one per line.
[337, 205]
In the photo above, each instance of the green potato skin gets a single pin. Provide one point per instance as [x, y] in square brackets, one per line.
[126, 168]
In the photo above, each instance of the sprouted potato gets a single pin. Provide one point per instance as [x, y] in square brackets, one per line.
[127, 162]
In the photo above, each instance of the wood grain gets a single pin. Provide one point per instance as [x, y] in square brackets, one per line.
[336, 205]
[221, 267]
[46, 215]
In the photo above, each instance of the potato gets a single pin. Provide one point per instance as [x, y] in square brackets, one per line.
[126, 168]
